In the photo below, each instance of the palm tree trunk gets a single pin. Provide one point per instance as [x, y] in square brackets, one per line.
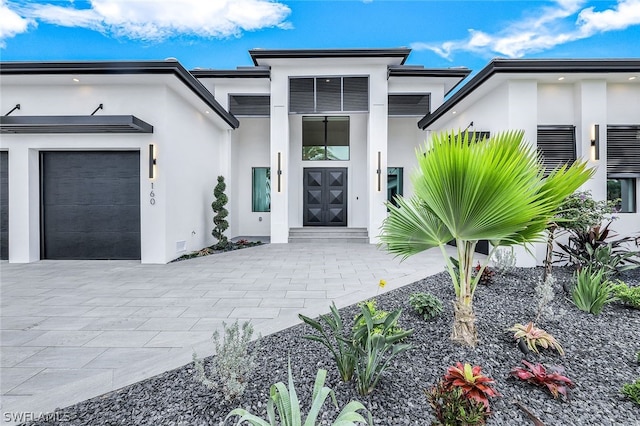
[464, 325]
[464, 321]
[548, 261]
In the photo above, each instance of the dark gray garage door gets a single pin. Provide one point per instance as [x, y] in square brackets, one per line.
[90, 205]
[4, 205]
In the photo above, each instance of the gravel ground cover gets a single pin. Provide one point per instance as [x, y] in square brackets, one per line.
[600, 358]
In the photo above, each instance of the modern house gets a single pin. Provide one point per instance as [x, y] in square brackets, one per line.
[118, 160]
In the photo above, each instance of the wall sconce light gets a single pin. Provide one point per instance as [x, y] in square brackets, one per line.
[279, 170]
[595, 141]
[152, 161]
[379, 171]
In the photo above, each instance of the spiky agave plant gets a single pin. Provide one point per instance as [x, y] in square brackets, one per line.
[467, 190]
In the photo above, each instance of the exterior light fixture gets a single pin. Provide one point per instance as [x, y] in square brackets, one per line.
[77, 80]
[560, 78]
[595, 142]
[279, 171]
[632, 78]
[152, 161]
[206, 112]
[379, 171]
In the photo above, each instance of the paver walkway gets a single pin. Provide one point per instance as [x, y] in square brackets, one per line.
[71, 330]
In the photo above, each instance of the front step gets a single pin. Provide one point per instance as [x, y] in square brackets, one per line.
[325, 234]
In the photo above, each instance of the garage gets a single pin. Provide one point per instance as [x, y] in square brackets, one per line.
[90, 204]
[4, 205]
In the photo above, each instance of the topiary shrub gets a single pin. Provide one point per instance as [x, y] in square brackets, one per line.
[219, 220]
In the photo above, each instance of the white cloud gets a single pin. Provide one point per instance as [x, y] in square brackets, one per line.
[156, 20]
[543, 29]
[11, 23]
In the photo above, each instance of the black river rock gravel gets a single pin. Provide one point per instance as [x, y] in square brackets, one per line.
[600, 358]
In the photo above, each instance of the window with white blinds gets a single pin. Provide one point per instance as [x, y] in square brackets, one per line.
[328, 94]
[409, 104]
[557, 145]
[250, 105]
[623, 150]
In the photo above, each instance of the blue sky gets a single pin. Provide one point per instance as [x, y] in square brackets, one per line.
[218, 33]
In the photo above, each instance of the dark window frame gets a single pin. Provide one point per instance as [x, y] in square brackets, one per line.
[558, 145]
[422, 113]
[300, 101]
[326, 120]
[237, 113]
[623, 150]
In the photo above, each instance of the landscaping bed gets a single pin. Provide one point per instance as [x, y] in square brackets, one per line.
[600, 357]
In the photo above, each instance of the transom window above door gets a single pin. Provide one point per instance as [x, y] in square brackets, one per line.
[325, 138]
[328, 94]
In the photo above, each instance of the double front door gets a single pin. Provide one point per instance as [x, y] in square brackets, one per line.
[325, 197]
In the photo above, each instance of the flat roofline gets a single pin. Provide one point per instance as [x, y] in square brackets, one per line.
[122, 67]
[257, 72]
[258, 54]
[530, 66]
[18, 124]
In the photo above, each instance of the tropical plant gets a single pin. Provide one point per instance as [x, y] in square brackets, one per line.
[592, 290]
[376, 347]
[630, 296]
[534, 337]
[466, 191]
[426, 304]
[219, 221]
[504, 260]
[552, 377]
[471, 381]
[632, 391]
[451, 407]
[332, 336]
[379, 317]
[578, 213]
[486, 274]
[590, 248]
[284, 401]
[233, 364]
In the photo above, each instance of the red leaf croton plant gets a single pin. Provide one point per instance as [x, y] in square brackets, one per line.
[471, 381]
[537, 374]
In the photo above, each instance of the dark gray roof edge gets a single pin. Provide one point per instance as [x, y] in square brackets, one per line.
[122, 67]
[74, 124]
[404, 71]
[516, 66]
[257, 54]
[258, 72]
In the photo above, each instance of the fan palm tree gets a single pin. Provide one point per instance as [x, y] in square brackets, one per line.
[467, 190]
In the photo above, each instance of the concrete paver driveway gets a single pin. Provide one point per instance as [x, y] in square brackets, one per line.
[71, 330]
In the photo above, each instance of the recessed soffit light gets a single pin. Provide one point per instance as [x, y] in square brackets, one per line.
[77, 80]
[560, 78]
[632, 77]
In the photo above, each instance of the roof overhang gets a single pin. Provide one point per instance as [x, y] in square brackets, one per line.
[451, 77]
[73, 124]
[533, 68]
[397, 56]
[171, 67]
[249, 72]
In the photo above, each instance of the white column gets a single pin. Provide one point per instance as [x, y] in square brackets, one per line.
[279, 153]
[377, 151]
[24, 205]
[591, 109]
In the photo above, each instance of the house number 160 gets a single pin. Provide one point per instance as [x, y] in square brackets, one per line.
[152, 196]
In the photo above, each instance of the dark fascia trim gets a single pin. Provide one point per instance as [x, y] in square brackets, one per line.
[122, 67]
[407, 71]
[257, 72]
[530, 66]
[258, 54]
[73, 124]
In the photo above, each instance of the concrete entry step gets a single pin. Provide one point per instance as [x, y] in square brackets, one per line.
[325, 234]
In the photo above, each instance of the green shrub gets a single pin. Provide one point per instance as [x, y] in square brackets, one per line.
[379, 316]
[233, 364]
[451, 407]
[426, 305]
[628, 295]
[632, 391]
[376, 345]
[592, 290]
[284, 402]
[334, 339]
[219, 221]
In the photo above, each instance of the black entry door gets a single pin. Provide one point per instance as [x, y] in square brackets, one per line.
[90, 205]
[325, 197]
